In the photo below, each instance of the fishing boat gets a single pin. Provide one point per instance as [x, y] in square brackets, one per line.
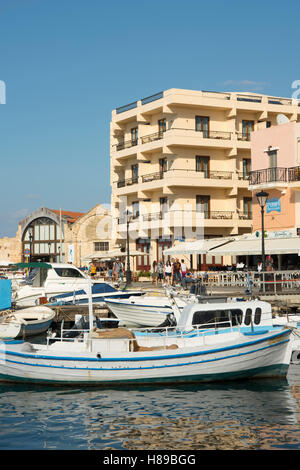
[146, 311]
[117, 356]
[26, 322]
[61, 282]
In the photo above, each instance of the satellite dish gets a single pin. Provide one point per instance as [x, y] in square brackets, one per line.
[282, 119]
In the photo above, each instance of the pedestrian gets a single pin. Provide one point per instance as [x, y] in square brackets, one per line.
[161, 274]
[121, 270]
[176, 271]
[155, 273]
[93, 270]
[183, 269]
[168, 272]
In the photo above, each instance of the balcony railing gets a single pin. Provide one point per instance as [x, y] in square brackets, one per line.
[269, 175]
[153, 176]
[127, 144]
[127, 182]
[152, 137]
[294, 173]
[244, 136]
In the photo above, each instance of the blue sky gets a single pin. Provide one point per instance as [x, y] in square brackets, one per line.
[67, 63]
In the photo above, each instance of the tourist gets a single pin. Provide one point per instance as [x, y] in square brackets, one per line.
[188, 278]
[155, 273]
[168, 272]
[183, 269]
[161, 274]
[93, 270]
[176, 271]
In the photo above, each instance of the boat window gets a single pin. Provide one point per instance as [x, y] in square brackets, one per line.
[40, 277]
[257, 316]
[212, 318]
[236, 317]
[248, 316]
[68, 272]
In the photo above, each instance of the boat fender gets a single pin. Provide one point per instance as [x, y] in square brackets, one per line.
[295, 359]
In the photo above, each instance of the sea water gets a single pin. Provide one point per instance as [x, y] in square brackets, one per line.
[241, 415]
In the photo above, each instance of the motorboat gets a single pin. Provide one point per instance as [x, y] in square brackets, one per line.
[52, 280]
[26, 322]
[100, 292]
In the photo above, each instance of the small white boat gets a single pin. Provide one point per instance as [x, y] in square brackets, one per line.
[146, 311]
[26, 322]
[61, 282]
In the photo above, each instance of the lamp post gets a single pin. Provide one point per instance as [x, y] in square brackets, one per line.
[128, 272]
[262, 197]
[30, 242]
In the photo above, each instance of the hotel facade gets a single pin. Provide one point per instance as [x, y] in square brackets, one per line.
[180, 164]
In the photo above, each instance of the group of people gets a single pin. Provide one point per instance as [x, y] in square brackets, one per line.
[115, 270]
[171, 272]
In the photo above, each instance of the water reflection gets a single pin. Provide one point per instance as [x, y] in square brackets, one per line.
[261, 414]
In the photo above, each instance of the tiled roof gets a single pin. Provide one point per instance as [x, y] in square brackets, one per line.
[69, 216]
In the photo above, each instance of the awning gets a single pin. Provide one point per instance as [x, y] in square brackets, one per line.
[106, 255]
[196, 247]
[253, 247]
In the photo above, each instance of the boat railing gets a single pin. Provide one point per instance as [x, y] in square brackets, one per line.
[165, 334]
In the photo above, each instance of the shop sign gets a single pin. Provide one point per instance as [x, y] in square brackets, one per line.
[273, 205]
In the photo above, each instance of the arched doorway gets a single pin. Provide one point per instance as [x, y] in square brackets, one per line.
[42, 241]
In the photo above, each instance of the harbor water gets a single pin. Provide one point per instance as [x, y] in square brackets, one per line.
[242, 415]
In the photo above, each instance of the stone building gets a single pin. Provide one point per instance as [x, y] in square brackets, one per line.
[58, 236]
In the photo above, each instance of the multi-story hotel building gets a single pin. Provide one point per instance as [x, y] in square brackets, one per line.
[180, 163]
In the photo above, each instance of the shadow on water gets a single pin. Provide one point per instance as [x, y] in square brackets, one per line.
[250, 414]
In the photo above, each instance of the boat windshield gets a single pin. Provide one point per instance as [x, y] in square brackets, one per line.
[68, 272]
[30, 277]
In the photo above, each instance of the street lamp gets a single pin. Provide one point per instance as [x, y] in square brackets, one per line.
[30, 241]
[262, 197]
[128, 272]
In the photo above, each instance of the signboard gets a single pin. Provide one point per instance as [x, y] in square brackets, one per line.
[27, 252]
[71, 253]
[273, 205]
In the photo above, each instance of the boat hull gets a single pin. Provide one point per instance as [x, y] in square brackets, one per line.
[243, 357]
[139, 313]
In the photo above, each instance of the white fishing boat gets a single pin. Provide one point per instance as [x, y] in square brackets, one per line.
[138, 312]
[117, 356]
[63, 284]
[26, 322]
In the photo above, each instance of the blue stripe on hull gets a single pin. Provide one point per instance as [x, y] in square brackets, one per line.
[274, 371]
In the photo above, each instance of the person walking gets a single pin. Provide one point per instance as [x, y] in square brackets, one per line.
[161, 274]
[176, 271]
[183, 269]
[168, 272]
[155, 273]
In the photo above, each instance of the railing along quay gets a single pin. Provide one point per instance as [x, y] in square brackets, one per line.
[269, 282]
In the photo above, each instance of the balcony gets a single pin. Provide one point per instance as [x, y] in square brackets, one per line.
[179, 177]
[269, 175]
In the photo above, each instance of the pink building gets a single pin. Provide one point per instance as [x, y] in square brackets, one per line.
[275, 159]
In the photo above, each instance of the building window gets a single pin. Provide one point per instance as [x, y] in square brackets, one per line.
[202, 125]
[247, 128]
[135, 173]
[134, 136]
[202, 164]
[203, 205]
[246, 168]
[164, 205]
[135, 209]
[101, 246]
[162, 126]
[247, 208]
[163, 165]
[268, 123]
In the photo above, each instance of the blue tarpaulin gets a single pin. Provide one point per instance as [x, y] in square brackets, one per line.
[5, 294]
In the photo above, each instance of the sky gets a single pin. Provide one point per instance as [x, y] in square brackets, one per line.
[66, 64]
